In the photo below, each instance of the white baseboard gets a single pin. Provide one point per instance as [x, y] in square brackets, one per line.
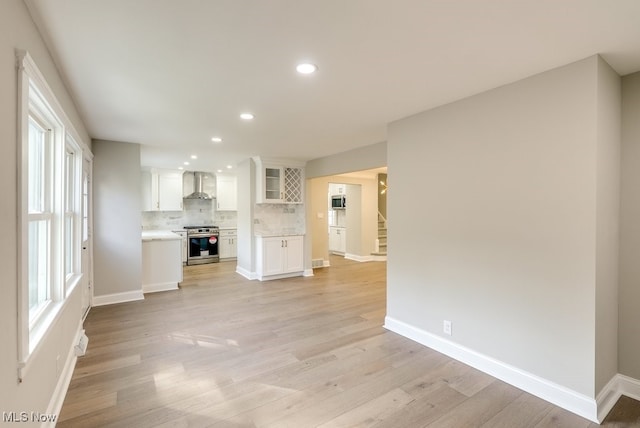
[278, 276]
[368, 258]
[629, 386]
[307, 272]
[164, 286]
[559, 395]
[246, 273]
[60, 391]
[326, 264]
[358, 258]
[110, 299]
[618, 385]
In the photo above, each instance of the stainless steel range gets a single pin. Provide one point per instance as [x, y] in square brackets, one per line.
[203, 244]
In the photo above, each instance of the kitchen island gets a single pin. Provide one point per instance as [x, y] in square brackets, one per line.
[161, 260]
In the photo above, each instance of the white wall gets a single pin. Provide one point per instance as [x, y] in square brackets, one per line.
[608, 117]
[246, 198]
[629, 301]
[118, 221]
[17, 31]
[500, 237]
[360, 159]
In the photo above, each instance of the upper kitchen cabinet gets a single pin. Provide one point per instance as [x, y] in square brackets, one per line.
[161, 190]
[279, 182]
[227, 197]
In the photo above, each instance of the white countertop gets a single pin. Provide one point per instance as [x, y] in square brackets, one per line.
[159, 235]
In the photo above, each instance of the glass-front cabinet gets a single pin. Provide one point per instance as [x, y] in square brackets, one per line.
[278, 184]
[273, 184]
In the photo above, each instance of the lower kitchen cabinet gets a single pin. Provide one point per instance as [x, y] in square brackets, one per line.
[337, 240]
[279, 256]
[228, 244]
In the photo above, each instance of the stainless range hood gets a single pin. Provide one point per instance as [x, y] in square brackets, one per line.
[198, 186]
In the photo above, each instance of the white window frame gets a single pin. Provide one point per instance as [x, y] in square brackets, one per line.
[46, 214]
[73, 211]
[37, 101]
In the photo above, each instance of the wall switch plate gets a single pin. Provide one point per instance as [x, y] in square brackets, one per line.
[446, 327]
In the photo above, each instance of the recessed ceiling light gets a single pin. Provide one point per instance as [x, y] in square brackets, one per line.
[306, 68]
[180, 168]
[219, 170]
[186, 163]
[229, 166]
[216, 139]
[246, 116]
[194, 157]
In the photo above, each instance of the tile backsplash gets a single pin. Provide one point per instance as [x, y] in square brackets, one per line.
[275, 219]
[268, 219]
[195, 212]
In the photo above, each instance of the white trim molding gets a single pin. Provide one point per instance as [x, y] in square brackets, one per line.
[247, 274]
[618, 385]
[111, 299]
[559, 395]
[162, 286]
[64, 380]
[279, 276]
[357, 258]
[629, 386]
[307, 272]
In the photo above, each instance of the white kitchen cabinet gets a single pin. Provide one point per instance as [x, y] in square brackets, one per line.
[279, 257]
[228, 245]
[227, 194]
[161, 190]
[278, 184]
[337, 189]
[338, 240]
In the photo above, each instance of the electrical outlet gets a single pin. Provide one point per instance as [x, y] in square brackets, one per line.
[446, 327]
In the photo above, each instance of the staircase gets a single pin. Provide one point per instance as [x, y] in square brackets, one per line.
[381, 242]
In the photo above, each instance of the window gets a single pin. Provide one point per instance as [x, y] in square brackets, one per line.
[72, 212]
[49, 209]
[39, 217]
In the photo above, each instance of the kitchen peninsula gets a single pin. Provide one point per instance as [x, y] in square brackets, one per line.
[161, 260]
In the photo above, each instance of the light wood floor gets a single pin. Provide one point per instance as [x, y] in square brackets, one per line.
[305, 352]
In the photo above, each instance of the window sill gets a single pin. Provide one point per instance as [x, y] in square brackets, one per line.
[36, 336]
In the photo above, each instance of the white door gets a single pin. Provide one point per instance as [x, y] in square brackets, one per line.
[87, 274]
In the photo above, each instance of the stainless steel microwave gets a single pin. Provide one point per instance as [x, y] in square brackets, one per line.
[338, 202]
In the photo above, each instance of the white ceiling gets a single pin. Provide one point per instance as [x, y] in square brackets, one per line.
[170, 74]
